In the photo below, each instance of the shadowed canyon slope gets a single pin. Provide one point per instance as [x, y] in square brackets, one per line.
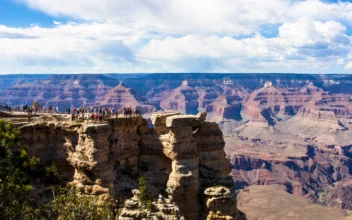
[294, 130]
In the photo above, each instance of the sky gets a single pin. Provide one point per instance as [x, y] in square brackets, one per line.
[152, 36]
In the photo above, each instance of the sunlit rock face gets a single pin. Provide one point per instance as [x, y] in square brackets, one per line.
[290, 129]
[184, 99]
[60, 90]
[180, 157]
[121, 97]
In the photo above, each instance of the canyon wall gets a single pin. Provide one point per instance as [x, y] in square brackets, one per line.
[290, 129]
[181, 156]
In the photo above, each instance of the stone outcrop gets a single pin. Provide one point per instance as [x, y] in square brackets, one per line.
[290, 129]
[162, 208]
[4, 114]
[181, 156]
[221, 203]
[341, 195]
[193, 148]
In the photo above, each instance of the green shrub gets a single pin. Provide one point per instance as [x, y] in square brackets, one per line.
[150, 206]
[52, 174]
[142, 187]
[173, 212]
[323, 197]
[69, 203]
[17, 169]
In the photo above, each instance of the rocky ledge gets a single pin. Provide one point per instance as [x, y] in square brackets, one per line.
[180, 156]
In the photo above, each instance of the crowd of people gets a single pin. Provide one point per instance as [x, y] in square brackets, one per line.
[32, 109]
[98, 114]
[85, 113]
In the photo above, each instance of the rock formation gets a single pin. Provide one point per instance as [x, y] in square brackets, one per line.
[221, 203]
[183, 99]
[307, 153]
[163, 208]
[288, 129]
[121, 96]
[60, 90]
[194, 149]
[340, 195]
[181, 156]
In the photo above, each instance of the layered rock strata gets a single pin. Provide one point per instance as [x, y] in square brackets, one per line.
[163, 208]
[121, 96]
[221, 203]
[180, 156]
[183, 99]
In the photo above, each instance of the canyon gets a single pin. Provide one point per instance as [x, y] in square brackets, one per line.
[182, 158]
[289, 131]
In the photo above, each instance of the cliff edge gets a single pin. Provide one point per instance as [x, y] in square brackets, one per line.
[181, 157]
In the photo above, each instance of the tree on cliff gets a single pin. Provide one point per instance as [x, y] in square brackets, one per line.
[69, 203]
[142, 187]
[16, 169]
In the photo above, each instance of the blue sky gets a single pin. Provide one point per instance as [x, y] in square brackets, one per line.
[19, 15]
[129, 36]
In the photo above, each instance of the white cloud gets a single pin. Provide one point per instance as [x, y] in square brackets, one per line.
[189, 17]
[301, 44]
[349, 66]
[68, 46]
[308, 32]
[180, 35]
[340, 61]
[191, 46]
[174, 16]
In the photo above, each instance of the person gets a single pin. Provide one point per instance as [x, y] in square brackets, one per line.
[138, 112]
[134, 111]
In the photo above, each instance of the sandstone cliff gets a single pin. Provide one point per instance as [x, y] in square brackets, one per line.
[181, 156]
[290, 129]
